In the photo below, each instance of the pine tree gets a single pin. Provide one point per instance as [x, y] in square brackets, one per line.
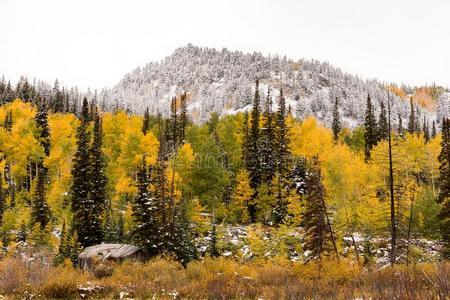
[74, 249]
[22, 233]
[400, 126]
[2, 200]
[64, 246]
[183, 117]
[267, 143]
[336, 125]
[98, 181]
[444, 192]
[316, 224]
[245, 142]
[383, 131]
[183, 243]
[433, 130]
[8, 123]
[40, 212]
[282, 141]
[370, 126]
[280, 209]
[79, 191]
[253, 152]
[213, 245]
[145, 215]
[146, 122]
[426, 131]
[41, 120]
[417, 122]
[412, 118]
[254, 166]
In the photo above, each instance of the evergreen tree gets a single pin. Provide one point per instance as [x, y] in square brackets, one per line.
[426, 131]
[183, 243]
[417, 122]
[213, 246]
[315, 219]
[40, 212]
[145, 215]
[8, 123]
[41, 120]
[74, 249]
[2, 200]
[433, 130]
[146, 122]
[22, 233]
[444, 191]
[98, 181]
[183, 117]
[412, 118]
[280, 209]
[245, 142]
[370, 126]
[64, 246]
[79, 190]
[254, 166]
[400, 126]
[336, 125]
[267, 143]
[282, 141]
[383, 130]
[253, 152]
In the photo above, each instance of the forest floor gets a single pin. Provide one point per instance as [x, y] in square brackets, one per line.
[223, 278]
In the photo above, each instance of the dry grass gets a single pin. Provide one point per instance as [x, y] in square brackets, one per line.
[227, 279]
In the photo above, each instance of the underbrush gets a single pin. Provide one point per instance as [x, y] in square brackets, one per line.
[222, 278]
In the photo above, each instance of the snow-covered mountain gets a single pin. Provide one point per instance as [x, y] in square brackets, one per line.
[223, 81]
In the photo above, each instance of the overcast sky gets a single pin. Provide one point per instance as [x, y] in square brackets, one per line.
[95, 42]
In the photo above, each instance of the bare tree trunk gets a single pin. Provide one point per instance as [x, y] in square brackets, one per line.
[391, 187]
[411, 211]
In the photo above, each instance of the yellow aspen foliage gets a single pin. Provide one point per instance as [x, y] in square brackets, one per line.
[242, 197]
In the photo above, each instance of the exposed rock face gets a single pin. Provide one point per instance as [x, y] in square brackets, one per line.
[108, 252]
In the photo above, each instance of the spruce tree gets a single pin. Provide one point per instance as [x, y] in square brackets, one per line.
[383, 130]
[245, 142]
[64, 246]
[267, 139]
[146, 122]
[412, 118]
[145, 232]
[40, 212]
[426, 131]
[183, 242]
[98, 180]
[444, 191]
[433, 130]
[370, 129]
[400, 126]
[283, 153]
[253, 158]
[79, 190]
[254, 166]
[336, 125]
[8, 123]
[183, 117]
[2, 200]
[41, 120]
[22, 233]
[315, 219]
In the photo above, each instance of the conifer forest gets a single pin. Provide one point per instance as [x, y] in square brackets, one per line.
[222, 174]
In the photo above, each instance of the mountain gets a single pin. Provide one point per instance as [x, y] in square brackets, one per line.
[223, 81]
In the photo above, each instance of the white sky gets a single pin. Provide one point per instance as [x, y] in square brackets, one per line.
[95, 42]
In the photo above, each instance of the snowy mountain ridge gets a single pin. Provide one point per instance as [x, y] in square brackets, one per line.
[223, 82]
